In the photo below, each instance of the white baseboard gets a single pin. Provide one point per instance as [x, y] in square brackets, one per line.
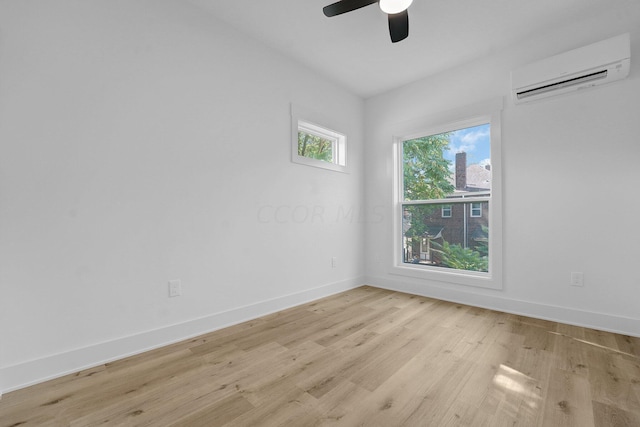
[571, 316]
[36, 371]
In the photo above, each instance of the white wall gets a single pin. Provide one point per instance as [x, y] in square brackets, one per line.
[146, 141]
[570, 177]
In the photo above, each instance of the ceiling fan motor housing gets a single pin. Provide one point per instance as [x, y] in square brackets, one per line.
[394, 6]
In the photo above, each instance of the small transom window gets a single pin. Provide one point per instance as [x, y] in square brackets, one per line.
[316, 144]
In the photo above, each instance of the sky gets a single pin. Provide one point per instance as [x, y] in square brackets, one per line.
[475, 141]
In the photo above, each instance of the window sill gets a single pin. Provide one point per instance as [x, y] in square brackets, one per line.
[318, 163]
[458, 277]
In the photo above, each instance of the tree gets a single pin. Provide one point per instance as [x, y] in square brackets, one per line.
[418, 217]
[482, 246]
[427, 174]
[455, 256]
[314, 147]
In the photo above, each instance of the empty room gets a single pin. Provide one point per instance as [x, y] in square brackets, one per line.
[319, 213]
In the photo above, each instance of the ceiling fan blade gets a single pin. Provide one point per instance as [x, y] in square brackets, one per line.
[345, 6]
[399, 26]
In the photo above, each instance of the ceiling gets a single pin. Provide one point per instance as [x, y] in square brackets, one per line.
[354, 49]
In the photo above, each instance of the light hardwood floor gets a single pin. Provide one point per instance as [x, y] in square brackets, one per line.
[367, 357]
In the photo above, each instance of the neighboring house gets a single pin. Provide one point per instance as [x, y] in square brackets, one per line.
[459, 223]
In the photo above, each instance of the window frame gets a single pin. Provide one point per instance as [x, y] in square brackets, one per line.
[307, 121]
[489, 112]
[479, 215]
[449, 208]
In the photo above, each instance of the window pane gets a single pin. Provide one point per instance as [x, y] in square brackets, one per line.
[449, 164]
[459, 242]
[476, 209]
[315, 147]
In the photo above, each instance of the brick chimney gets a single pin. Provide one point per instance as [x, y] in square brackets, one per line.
[461, 171]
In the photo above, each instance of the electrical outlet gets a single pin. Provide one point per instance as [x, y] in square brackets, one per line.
[334, 262]
[175, 288]
[577, 278]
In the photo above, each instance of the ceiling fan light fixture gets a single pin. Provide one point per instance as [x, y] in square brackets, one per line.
[392, 7]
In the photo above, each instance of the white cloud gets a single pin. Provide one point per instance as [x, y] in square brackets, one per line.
[467, 142]
[473, 140]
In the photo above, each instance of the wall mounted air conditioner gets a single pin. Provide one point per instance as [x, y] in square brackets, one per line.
[588, 66]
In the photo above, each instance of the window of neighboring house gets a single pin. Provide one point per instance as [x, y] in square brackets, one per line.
[451, 171]
[476, 210]
[317, 145]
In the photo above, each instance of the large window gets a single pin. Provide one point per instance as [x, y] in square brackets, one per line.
[448, 203]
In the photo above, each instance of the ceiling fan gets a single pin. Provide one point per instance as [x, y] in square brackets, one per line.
[395, 9]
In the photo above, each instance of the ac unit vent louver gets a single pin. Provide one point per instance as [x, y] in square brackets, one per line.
[589, 66]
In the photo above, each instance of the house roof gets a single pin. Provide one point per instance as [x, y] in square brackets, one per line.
[478, 179]
[434, 231]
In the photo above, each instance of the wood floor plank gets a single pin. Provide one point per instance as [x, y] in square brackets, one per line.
[401, 393]
[366, 357]
[218, 413]
[612, 388]
[341, 400]
[434, 405]
[352, 325]
[570, 355]
[609, 415]
[399, 349]
[521, 396]
[628, 344]
[568, 401]
[410, 310]
[333, 325]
